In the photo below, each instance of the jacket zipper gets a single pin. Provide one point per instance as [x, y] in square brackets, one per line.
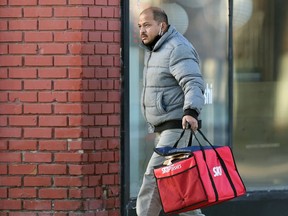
[145, 82]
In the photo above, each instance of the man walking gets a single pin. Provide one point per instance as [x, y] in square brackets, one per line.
[172, 95]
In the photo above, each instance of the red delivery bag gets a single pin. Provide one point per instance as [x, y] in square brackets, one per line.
[208, 176]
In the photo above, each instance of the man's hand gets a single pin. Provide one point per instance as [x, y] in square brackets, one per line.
[191, 121]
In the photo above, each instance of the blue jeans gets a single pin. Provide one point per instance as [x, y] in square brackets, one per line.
[148, 200]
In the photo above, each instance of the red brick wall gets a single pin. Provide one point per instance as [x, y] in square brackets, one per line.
[60, 107]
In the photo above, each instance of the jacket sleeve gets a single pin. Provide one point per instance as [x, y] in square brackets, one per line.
[184, 66]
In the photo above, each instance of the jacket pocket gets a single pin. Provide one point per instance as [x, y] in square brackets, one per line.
[160, 105]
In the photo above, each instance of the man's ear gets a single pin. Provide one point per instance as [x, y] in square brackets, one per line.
[164, 26]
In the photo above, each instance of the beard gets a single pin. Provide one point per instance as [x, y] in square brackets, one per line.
[152, 43]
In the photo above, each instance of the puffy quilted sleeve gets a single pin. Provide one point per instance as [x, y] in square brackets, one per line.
[184, 66]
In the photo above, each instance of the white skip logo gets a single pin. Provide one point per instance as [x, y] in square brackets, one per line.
[217, 171]
[171, 168]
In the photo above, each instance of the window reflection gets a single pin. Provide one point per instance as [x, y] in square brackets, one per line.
[260, 94]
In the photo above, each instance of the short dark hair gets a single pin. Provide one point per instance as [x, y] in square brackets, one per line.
[158, 14]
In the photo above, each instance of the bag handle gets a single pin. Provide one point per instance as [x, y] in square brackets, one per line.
[182, 134]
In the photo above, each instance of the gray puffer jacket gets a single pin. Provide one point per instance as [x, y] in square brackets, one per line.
[172, 81]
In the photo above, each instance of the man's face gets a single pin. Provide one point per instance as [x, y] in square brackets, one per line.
[148, 28]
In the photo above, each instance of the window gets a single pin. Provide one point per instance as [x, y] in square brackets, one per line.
[258, 97]
[260, 92]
